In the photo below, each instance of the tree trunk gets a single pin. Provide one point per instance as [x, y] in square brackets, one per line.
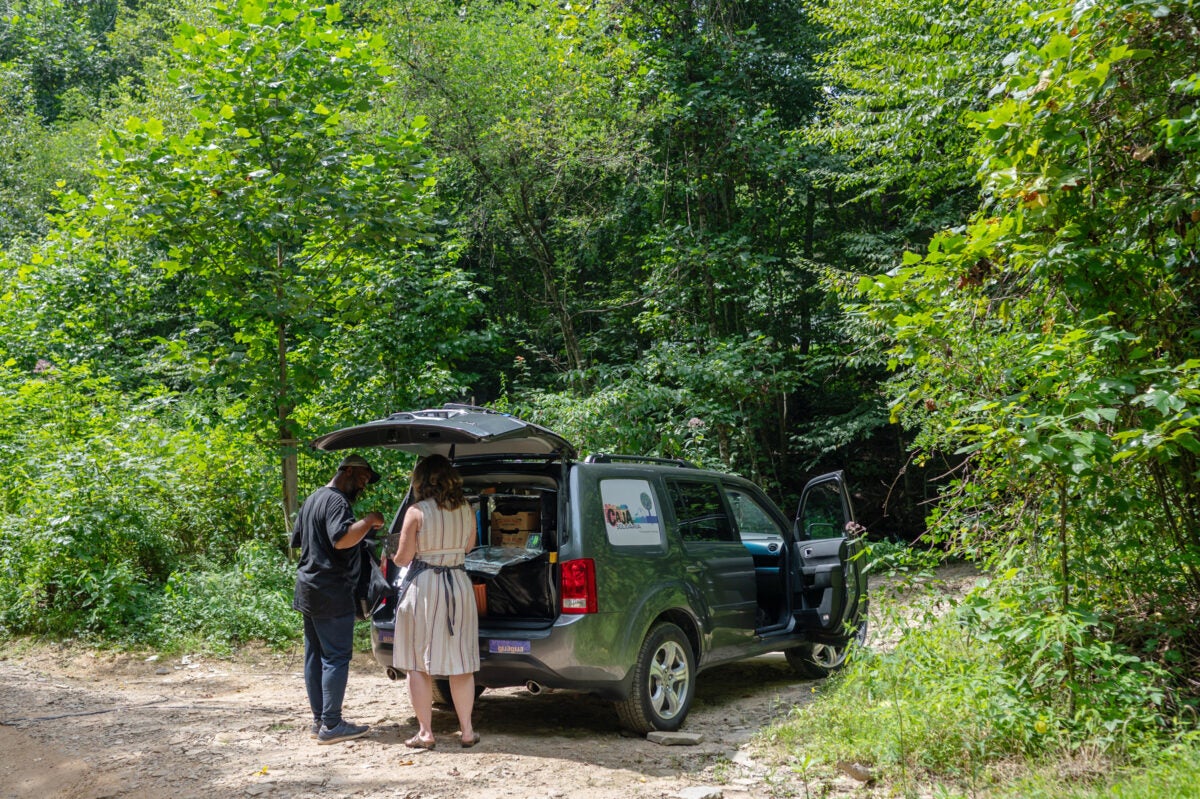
[1065, 576]
[810, 223]
[283, 408]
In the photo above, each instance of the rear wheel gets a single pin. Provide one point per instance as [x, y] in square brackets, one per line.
[817, 661]
[664, 682]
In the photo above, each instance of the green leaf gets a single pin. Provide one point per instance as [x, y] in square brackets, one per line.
[252, 12]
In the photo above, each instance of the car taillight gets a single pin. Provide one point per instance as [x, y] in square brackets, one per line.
[579, 586]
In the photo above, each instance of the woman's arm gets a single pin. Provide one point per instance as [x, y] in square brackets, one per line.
[406, 550]
[473, 541]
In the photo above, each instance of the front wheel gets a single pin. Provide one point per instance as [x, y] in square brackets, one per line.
[817, 661]
[664, 682]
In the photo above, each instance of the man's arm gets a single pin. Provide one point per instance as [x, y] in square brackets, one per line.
[359, 529]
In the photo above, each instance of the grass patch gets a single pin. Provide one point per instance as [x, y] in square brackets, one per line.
[1174, 773]
[975, 702]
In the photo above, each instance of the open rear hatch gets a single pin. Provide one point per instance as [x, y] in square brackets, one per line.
[517, 509]
[455, 431]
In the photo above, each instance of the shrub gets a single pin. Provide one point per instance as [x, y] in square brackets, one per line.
[216, 608]
[106, 495]
[978, 686]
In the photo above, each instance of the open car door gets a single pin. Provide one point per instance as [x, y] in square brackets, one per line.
[829, 583]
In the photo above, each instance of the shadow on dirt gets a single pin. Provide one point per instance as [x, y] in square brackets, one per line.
[746, 694]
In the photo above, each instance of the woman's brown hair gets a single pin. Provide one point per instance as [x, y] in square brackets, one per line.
[435, 477]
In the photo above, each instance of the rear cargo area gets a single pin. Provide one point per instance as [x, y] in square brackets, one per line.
[514, 568]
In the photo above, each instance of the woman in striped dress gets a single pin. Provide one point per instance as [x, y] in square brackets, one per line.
[437, 624]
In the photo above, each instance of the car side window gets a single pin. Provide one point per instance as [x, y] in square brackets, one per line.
[752, 519]
[824, 513]
[699, 512]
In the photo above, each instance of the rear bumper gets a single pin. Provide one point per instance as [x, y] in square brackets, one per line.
[548, 656]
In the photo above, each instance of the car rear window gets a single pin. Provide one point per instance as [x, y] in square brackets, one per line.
[631, 514]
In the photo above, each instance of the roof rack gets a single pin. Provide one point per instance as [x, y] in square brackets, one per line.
[509, 458]
[461, 406]
[604, 457]
[447, 411]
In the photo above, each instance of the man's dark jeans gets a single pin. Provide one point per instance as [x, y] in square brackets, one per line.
[328, 646]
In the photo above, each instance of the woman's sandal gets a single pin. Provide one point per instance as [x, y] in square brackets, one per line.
[467, 743]
[417, 742]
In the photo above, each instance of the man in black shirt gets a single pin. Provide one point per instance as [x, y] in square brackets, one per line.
[328, 537]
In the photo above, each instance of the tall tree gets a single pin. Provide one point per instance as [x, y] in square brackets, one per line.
[729, 297]
[527, 104]
[277, 201]
[1052, 340]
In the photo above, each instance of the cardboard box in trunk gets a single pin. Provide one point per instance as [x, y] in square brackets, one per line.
[526, 521]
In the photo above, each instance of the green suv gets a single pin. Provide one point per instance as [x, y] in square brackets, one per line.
[628, 576]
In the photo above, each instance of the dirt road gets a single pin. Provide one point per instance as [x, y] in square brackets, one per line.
[83, 725]
[77, 724]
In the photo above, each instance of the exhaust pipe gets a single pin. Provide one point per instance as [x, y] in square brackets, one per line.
[394, 673]
[534, 688]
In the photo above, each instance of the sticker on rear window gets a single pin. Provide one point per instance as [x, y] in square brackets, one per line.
[631, 515]
[501, 647]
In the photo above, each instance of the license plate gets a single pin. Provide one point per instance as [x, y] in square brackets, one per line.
[501, 647]
[386, 636]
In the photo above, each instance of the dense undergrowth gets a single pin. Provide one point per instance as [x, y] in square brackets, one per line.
[973, 699]
[134, 520]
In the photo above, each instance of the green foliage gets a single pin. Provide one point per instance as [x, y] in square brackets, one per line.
[1113, 702]
[624, 180]
[1042, 342]
[903, 77]
[962, 695]
[215, 608]
[55, 51]
[275, 208]
[894, 560]
[63, 66]
[529, 106]
[642, 210]
[930, 705]
[627, 415]
[104, 495]
[1173, 774]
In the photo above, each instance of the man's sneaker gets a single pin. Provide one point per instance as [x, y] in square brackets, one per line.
[342, 732]
[315, 729]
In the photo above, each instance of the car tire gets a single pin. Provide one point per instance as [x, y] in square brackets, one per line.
[817, 661]
[664, 682]
[441, 693]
